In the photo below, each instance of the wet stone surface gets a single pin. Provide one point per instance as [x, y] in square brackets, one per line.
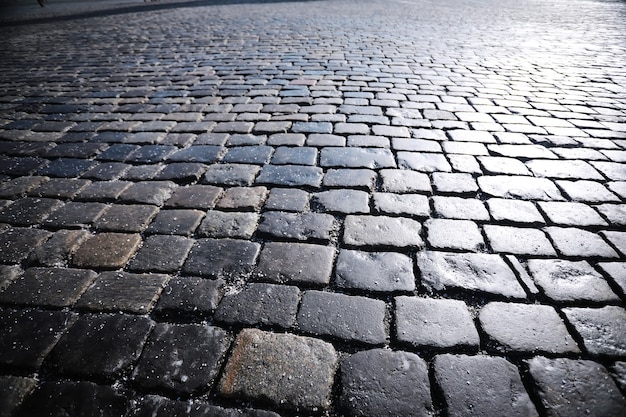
[278, 209]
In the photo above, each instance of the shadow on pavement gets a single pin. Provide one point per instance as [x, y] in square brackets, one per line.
[111, 9]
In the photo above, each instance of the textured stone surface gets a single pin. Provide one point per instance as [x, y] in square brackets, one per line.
[379, 382]
[601, 329]
[288, 371]
[382, 231]
[526, 328]
[472, 272]
[435, 323]
[221, 258]
[107, 250]
[341, 316]
[465, 381]
[13, 389]
[298, 226]
[573, 387]
[374, 271]
[294, 263]
[170, 362]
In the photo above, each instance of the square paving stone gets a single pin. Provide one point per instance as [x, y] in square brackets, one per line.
[481, 386]
[21, 185]
[563, 280]
[602, 329]
[341, 316]
[380, 382]
[617, 239]
[518, 241]
[374, 271]
[169, 362]
[298, 226]
[371, 158]
[60, 188]
[382, 231]
[198, 153]
[435, 323]
[231, 174]
[191, 295]
[571, 214]
[58, 250]
[291, 175]
[526, 328]
[161, 254]
[13, 390]
[295, 263]
[148, 192]
[288, 371]
[455, 183]
[350, 178]
[257, 155]
[103, 190]
[614, 213]
[126, 218]
[468, 271]
[405, 181]
[222, 258]
[176, 222]
[243, 198]
[228, 224]
[287, 199]
[67, 168]
[579, 170]
[122, 291]
[570, 387]
[29, 211]
[107, 250]
[578, 242]
[70, 398]
[454, 234]
[296, 156]
[460, 208]
[75, 214]
[194, 196]
[27, 336]
[260, 304]
[182, 172]
[341, 201]
[515, 211]
[587, 191]
[51, 287]
[519, 187]
[414, 205]
[423, 162]
[17, 243]
[100, 346]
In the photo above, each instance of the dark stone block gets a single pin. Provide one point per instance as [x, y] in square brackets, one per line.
[221, 258]
[191, 295]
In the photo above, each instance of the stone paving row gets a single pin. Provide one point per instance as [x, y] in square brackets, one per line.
[405, 208]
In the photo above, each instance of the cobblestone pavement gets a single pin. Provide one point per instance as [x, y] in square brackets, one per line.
[327, 208]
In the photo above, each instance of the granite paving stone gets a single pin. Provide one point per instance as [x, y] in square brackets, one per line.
[371, 158]
[103, 190]
[405, 181]
[460, 208]
[228, 224]
[221, 258]
[617, 239]
[379, 382]
[28, 335]
[374, 271]
[58, 250]
[514, 211]
[413, 205]
[125, 218]
[190, 295]
[526, 328]
[341, 201]
[614, 213]
[600, 328]
[454, 235]
[176, 222]
[518, 240]
[242, 198]
[291, 175]
[169, 362]
[260, 304]
[123, 291]
[578, 242]
[563, 280]
[468, 271]
[51, 287]
[75, 215]
[148, 192]
[454, 183]
[423, 162]
[287, 199]
[571, 387]
[340, 316]
[587, 191]
[13, 389]
[29, 211]
[298, 226]
[571, 214]
[381, 231]
[519, 187]
[464, 381]
[161, 253]
[286, 370]
[295, 263]
[18, 242]
[58, 398]
[100, 345]
[435, 323]
[59, 188]
[194, 196]
[106, 250]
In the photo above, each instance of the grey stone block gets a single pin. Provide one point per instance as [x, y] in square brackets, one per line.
[374, 271]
